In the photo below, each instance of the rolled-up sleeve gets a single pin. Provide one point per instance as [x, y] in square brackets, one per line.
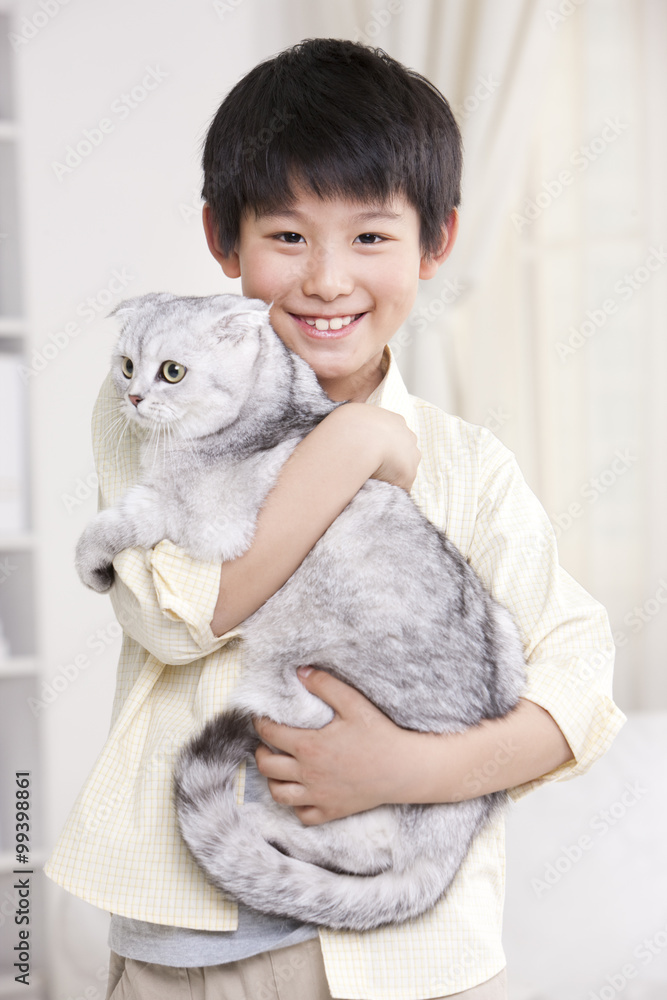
[162, 597]
[165, 601]
[567, 639]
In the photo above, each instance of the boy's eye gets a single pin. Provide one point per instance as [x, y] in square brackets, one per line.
[369, 239]
[289, 237]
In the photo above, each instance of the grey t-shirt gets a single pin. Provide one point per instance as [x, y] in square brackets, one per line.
[187, 948]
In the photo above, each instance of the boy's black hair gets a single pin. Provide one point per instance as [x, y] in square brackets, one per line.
[341, 119]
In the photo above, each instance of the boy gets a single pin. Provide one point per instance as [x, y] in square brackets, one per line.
[331, 185]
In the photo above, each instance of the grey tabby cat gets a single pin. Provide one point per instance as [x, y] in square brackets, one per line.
[383, 601]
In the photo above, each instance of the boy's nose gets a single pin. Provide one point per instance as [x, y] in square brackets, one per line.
[135, 400]
[327, 277]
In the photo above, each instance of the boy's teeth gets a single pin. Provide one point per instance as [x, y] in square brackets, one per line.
[335, 323]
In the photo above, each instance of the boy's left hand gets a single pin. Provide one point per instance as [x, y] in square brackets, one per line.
[358, 761]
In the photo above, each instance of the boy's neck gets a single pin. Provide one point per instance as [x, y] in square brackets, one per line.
[356, 388]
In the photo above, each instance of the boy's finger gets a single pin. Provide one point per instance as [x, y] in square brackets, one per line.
[276, 735]
[336, 693]
[287, 793]
[279, 766]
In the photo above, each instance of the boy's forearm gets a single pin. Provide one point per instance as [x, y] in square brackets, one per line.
[496, 754]
[318, 480]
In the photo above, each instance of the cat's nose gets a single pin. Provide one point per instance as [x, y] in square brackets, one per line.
[135, 400]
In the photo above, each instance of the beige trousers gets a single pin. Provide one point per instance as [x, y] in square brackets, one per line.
[294, 973]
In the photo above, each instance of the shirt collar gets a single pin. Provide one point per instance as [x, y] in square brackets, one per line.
[392, 394]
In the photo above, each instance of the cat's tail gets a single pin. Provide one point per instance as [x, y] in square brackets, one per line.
[238, 860]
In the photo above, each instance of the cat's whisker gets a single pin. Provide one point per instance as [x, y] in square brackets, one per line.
[115, 423]
[155, 444]
[122, 433]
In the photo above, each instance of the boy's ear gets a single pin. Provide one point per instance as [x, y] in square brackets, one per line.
[229, 263]
[429, 265]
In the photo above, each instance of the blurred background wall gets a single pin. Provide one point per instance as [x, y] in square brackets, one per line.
[547, 325]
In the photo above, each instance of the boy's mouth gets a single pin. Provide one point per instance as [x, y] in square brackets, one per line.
[327, 326]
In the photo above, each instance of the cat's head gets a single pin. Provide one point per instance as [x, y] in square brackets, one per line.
[187, 362]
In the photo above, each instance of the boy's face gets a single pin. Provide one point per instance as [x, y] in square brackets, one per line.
[342, 277]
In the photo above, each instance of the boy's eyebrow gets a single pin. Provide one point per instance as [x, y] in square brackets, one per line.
[373, 215]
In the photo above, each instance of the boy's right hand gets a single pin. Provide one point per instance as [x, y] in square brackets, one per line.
[395, 444]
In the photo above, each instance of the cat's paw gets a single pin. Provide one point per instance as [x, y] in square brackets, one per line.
[94, 568]
[99, 577]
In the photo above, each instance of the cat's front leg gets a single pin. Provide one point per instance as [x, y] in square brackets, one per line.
[137, 521]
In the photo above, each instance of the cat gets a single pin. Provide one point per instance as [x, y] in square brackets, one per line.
[383, 601]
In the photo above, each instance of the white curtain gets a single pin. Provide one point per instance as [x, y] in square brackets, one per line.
[490, 60]
[651, 686]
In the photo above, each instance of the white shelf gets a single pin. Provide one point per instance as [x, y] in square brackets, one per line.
[25, 541]
[17, 598]
[12, 326]
[8, 130]
[18, 666]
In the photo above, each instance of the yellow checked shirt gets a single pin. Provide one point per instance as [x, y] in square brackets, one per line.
[121, 849]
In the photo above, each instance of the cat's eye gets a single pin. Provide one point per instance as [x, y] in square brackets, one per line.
[171, 371]
[127, 367]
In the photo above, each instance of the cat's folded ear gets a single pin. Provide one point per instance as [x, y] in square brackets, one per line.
[134, 306]
[246, 316]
